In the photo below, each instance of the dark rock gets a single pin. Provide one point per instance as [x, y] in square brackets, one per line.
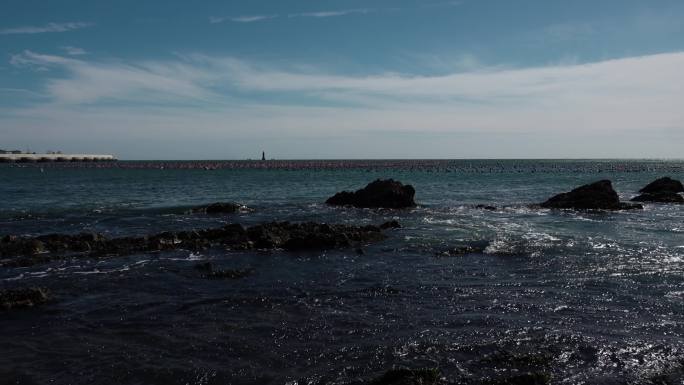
[393, 224]
[16, 251]
[205, 266]
[213, 273]
[378, 194]
[229, 274]
[409, 377]
[663, 185]
[662, 197]
[220, 208]
[486, 207]
[22, 298]
[663, 190]
[595, 196]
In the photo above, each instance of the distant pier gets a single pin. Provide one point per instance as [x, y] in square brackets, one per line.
[35, 158]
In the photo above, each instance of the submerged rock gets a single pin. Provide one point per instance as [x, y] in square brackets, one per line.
[22, 298]
[486, 207]
[386, 193]
[213, 273]
[463, 250]
[595, 196]
[18, 251]
[220, 208]
[663, 190]
[393, 224]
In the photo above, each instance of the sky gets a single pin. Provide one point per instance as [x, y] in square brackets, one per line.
[306, 79]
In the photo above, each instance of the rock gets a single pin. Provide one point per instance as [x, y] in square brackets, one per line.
[378, 194]
[393, 224]
[663, 197]
[220, 208]
[409, 377]
[595, 196]
[16, 251]
[663, 185]
[663, 190]
[22, 298]
[486, 207]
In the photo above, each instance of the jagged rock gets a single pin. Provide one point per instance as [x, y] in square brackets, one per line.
[663, 185]
[378, 194]
[220, 208]
[409, 377]
[595, 196]
[663, 190]
[21, 298]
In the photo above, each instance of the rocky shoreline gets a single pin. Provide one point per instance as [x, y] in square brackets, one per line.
[22, 251]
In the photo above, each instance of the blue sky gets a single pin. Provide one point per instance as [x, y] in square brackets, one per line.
[344, 79]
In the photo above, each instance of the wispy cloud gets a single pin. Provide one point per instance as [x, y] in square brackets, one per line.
[316, 14]
[88, 82]
[73, 51]
[241, 19]
[50, 27]
[331, 13]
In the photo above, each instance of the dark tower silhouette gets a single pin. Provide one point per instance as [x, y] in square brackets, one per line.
[263, 155]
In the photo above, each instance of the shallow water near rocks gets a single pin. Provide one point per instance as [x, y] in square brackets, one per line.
[588, 298]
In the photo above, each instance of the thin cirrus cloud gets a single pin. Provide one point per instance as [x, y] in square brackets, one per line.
[73, 51]
[330, 13]
[47, 28]
[317, 14]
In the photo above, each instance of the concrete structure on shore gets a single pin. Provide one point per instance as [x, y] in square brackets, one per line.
[32, 158]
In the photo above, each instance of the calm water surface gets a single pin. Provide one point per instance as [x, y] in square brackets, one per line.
[589, 298]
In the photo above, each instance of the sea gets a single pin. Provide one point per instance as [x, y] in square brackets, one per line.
[576, 297]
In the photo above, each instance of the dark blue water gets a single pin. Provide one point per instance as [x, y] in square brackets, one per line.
[588, 298]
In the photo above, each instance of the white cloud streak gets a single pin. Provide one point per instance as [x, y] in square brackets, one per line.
[251, 19]
[48, 28]
[322, 14]
[241, 19]
[73, 51]
[317, 14]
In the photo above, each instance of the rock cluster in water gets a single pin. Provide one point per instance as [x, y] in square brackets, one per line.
[386, 193]
[22, 298]
[594, 196]
[20, 251]
[220, 208]
[663, 190]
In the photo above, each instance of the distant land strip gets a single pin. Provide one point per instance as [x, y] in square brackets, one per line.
[427, 165]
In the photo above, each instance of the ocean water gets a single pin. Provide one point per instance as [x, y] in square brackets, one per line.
[586, 298]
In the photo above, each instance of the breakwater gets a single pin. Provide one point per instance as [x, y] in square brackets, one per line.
[35, 158]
